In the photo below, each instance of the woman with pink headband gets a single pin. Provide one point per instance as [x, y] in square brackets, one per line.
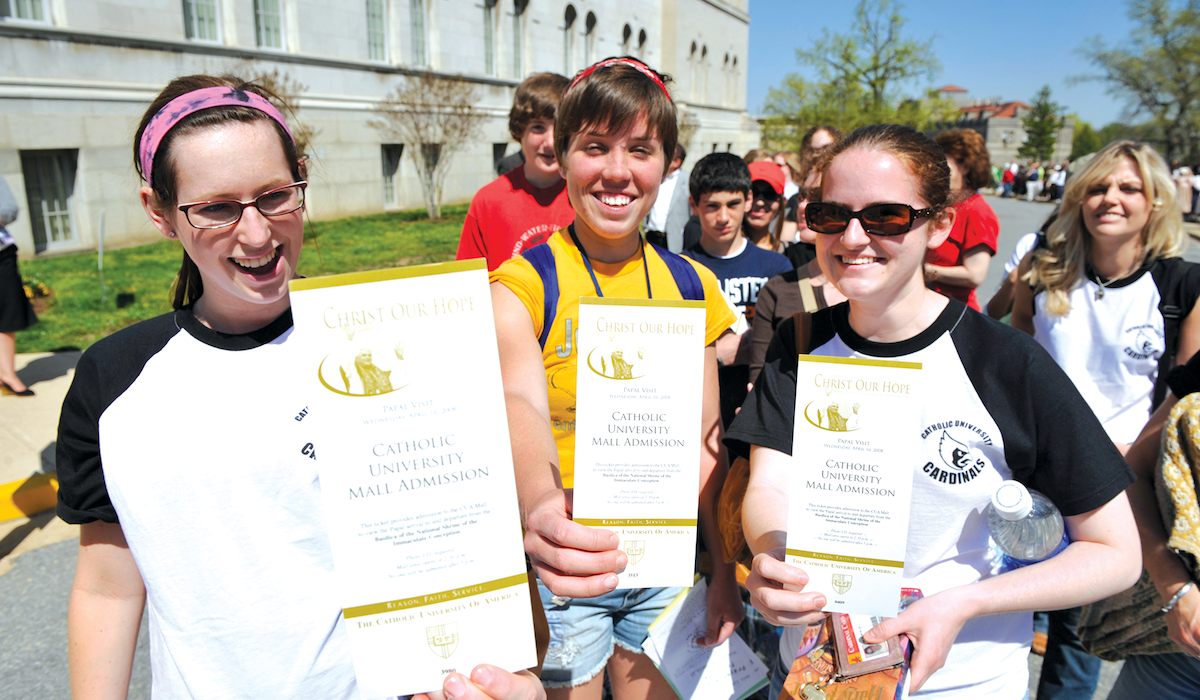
[182, 453]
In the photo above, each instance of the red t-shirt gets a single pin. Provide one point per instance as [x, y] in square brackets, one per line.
[975, 224]
[509, 215]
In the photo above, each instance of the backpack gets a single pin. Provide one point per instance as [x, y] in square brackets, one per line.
[542, 259]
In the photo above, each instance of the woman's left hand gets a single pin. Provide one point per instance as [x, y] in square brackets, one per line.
[932, 624]
[488, 683]
[725, 610]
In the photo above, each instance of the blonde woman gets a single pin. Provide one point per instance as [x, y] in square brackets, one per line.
[1112, 301]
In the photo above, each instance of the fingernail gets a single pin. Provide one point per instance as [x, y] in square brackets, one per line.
[610, 582]
[820, 601]
[614, 542]
[622, 562]
[482, 675]
[453, 686]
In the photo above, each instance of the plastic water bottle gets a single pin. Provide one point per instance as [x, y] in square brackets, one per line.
[1025, 525]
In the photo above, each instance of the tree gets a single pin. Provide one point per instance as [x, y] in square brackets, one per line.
[1085, 140]
[435, 117]
[1041, 127]
[1158, 73]
[859, 77]
[873, 56]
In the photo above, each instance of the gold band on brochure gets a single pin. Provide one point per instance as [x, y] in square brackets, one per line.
[436, 598]
[395, 273]
[845, 560]
[632, 522]
[859, 361]
[612, 301]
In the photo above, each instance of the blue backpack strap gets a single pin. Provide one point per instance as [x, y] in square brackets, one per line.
[542, 259]
[685, 275]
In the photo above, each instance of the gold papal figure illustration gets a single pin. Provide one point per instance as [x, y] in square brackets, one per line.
[365, 365]
[615, 361]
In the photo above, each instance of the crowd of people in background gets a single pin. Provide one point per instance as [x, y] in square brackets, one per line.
[869, 245]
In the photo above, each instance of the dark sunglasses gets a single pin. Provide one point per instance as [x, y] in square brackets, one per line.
[879, 219]
[765, 193]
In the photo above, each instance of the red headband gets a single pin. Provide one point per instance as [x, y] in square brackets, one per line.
[637, 65]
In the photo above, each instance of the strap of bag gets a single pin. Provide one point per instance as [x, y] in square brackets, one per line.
[1171, 308]
[542, 259]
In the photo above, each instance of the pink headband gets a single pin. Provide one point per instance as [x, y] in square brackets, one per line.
[192, 102]
[639, 66]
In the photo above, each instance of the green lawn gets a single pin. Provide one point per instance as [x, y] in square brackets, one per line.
[137, 280]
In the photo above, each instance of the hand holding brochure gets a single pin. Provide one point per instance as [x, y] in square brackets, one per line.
[409, 423]
[856, 434]
[637, 436]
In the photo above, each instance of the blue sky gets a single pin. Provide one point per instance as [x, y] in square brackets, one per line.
[993, 49]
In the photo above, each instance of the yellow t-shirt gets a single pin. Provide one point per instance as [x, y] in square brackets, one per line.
[617, 280]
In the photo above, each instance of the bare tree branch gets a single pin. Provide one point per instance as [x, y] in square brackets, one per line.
[436, 118]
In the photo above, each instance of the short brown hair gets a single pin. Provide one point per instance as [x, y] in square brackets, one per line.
[919, 153]
[613, 95]
[537, 98]
[966, 146]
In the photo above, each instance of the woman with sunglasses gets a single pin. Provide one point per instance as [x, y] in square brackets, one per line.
[881, 205]
[763, 225]
[181, 451]
[1111, 300]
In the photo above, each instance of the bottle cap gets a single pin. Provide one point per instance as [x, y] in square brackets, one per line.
[1012, 500]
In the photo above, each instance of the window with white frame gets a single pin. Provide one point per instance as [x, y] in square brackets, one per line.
[268, 23]
[589, 39]
[489, 37]
[420, 55]
[24, 9]
[376, 31]
[200, 19]
[518, 34]
[50, 191]
[568, 41]
[391, 153]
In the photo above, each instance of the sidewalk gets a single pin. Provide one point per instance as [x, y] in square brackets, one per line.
[28, 429]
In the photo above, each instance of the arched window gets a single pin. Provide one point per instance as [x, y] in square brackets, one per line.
[704, 73]
[626, 35]
[589, 38]
[568, 41]
[518, 36]
[693, 76]
[641, 49]
[726, 82]
[489, 37]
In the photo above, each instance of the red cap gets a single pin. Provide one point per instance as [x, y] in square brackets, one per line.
[769, 173]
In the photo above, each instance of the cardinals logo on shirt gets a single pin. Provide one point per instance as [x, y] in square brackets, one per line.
[958, 448]
[1144, 342]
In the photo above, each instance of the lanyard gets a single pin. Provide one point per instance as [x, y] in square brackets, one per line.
[588, 263]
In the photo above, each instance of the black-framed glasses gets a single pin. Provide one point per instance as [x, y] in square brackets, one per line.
[879, 219]
[219, 213]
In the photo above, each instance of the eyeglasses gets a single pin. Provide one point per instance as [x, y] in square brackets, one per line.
[879, 219]
[219, 213]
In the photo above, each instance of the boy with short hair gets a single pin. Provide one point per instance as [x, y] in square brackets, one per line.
[524, 206]
[719, 192]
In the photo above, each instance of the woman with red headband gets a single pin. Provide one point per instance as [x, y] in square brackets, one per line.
[193, 490]
[613, 128]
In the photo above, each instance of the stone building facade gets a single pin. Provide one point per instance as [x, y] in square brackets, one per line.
[76, 75]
